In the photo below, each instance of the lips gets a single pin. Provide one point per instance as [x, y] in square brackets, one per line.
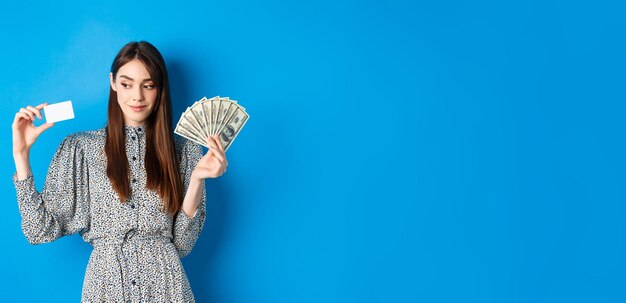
[138, 108]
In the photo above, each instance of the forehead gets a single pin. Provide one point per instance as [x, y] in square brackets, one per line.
[135, 70]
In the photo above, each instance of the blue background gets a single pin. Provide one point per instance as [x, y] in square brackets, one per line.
[397, 151]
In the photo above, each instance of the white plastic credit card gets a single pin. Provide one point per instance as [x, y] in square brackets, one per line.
[59, 111]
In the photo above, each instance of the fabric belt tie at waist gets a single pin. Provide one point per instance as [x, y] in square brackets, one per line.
[130, 236]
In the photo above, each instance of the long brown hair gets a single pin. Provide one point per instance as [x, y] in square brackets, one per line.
[161, 161]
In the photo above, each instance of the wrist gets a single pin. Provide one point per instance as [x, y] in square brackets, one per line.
[195, 179]
[21, 154]
[22, 165]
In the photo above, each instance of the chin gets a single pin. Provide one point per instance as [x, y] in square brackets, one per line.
[135, 118]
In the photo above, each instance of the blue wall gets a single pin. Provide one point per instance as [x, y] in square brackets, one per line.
[398, 151]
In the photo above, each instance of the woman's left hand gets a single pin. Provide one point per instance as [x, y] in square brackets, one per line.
[213, 164]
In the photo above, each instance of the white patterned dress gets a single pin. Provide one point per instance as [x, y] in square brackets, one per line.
[136, 246]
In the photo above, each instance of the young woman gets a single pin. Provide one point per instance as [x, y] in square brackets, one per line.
[130, 189]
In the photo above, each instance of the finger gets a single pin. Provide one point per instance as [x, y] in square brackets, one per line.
[218, 154]
[212, 143]
[225, 160]
[221, 150]
[17, 119]
[30, 109]
[21, 115]
[29, 113]
[212, 153]
[213, 146]
[219, 143]
[209, 155]
[42, 105]
[34, 110]
[44, 127]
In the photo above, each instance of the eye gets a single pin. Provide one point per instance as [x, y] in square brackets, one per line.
[124, 85]
[148, 86]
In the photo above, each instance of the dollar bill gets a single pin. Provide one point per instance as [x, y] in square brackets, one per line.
[184, 129]
[220, 116]
[198, 115]
[232, 128]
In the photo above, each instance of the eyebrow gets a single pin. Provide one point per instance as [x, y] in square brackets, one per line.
[131, 79]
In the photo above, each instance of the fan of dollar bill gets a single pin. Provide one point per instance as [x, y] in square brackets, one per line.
[216, 116]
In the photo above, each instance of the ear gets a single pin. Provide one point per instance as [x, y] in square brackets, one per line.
[112, 82]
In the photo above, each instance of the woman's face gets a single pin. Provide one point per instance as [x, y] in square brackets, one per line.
[136, 93]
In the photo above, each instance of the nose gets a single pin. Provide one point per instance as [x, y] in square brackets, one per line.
[138, 94]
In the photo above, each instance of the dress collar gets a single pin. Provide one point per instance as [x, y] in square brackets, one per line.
[135, 129]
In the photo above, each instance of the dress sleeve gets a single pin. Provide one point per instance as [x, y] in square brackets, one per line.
[62, 207]
[187, 229]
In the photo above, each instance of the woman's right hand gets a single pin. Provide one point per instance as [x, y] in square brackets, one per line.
[24, 131]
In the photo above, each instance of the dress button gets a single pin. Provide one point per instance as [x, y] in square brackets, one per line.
[134, 180]
[132, 206]
[133, 282]
[134, 158]
[133, 137]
